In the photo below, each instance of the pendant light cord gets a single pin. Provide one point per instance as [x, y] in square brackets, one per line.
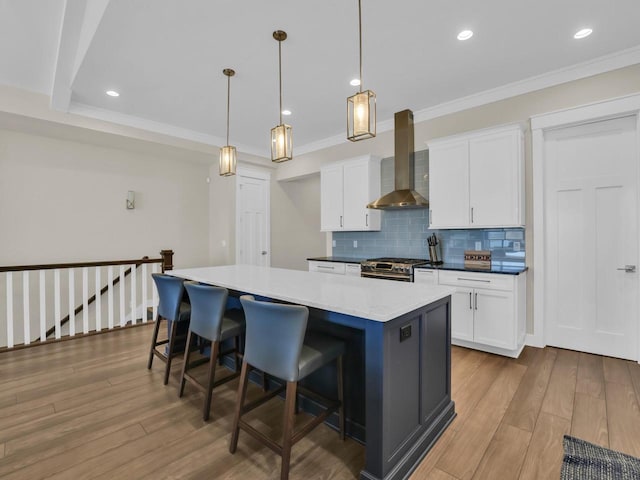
[228, 102]
[280, 75]
[360, 33]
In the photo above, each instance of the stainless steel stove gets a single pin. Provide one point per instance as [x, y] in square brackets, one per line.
[400, 269]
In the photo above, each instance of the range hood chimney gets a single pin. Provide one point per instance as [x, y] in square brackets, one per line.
[404, 196]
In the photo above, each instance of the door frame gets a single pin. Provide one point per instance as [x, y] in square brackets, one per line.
[260, 174]
[628, 105]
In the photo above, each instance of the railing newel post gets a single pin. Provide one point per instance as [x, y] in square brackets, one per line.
[167, 260]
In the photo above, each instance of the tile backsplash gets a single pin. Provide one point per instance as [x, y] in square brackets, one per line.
[404, 232]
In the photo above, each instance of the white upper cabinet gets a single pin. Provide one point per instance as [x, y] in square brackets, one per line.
[476, 180]
[345, 190]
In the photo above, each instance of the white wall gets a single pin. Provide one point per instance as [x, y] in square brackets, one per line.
[64, 201]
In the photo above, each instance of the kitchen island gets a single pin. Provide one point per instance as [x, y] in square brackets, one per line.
[398, 362]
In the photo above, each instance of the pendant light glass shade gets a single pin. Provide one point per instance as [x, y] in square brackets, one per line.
[361, 107]
[281, 143]
[228, 160]
[228, 157]
[361, 116]
[281, 135]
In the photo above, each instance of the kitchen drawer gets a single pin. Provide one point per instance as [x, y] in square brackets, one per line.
[327, 267]
[352, 269]
[489, 281]
[427, 276]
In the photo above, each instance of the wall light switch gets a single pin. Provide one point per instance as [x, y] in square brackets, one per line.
[516, 246]
[355, 244]
[478, 245]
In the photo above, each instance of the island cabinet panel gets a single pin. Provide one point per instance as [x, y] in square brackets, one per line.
[415, 403]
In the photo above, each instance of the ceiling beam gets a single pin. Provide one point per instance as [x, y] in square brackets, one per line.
[79, 24]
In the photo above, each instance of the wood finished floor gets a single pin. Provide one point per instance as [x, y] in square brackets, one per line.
[88, 408]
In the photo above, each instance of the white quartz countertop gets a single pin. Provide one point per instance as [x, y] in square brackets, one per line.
[370, 298]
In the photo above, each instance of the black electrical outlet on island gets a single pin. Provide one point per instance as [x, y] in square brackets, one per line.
[405, 332]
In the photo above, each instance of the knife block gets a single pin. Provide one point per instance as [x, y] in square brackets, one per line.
[434, 257]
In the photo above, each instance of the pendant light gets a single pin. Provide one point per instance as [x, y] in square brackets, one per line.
[228, 153]
[281, 143]
[361, 107]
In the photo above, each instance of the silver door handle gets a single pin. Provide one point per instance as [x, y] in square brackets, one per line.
[366, 220]
[470, 306]
[471, 214]
[628, 269]
[264, 252]
[476, 301]
[341, 220]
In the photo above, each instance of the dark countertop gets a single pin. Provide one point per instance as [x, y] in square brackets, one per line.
[508, 268]
[337, 259]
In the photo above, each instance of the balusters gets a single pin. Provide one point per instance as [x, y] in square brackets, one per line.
[43, 308]
[98, 301]
[72, 301]
[144, 293]
[9, 280]
[56, 302]
[122, 297]
[85, 300]
[25, 307]
[134, 303]
[154, 269]
[110, 294]
[51, 316]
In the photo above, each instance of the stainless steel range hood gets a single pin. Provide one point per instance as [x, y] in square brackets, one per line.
[404, 196]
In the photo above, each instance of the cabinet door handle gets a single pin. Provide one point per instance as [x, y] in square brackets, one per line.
[325, 267]
[340, 220]
[430, 217]
[476, 301]
[366, 220]
[471, 214]
[470, 307]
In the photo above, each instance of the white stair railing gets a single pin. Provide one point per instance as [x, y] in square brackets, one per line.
[46, 302]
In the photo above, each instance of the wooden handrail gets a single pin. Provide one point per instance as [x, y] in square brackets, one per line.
[51, 266]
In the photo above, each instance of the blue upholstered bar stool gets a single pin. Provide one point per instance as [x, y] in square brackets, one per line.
[209, 321]
[277, 342]
[172, 309]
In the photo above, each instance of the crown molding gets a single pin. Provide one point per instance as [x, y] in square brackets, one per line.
[156, 127]
[613, 61]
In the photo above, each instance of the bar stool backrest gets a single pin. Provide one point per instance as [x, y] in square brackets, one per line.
[274, 337]
[170, 291]
[208, 304]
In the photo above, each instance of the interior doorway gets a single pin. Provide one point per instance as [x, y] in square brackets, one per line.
[253, 231]
[587, 246]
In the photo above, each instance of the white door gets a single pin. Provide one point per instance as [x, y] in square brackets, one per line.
[590, 212]
[356, 195]
[252, 217]
[462, 314]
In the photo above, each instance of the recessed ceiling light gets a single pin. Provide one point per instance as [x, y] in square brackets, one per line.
[112, 93]
[465, 35]
[355, 82]
[286, 112]
[585, 32]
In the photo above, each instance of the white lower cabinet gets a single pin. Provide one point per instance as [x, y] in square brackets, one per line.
[427, 276]
[488, 311]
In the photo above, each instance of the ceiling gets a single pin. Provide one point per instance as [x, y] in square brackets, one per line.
[165, 57]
